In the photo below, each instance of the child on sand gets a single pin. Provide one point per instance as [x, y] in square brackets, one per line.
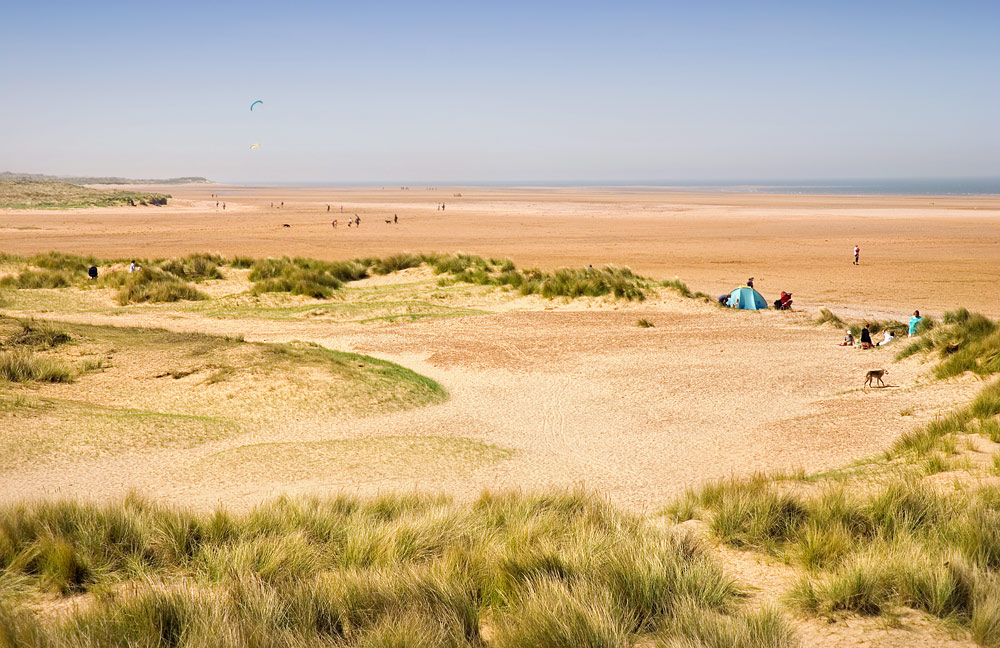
[857, 254]
[848, 340]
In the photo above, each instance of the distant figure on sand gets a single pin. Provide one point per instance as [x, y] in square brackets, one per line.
[724, 299]
[92, 272]
[866, 339]
[395, 219]
[132, 267]
[328, 209]
[357, 221]
[848, 340]
[857, 254]
[334, 222]
[887, 337]
[223, 206]
[750, 282]
[915, 320]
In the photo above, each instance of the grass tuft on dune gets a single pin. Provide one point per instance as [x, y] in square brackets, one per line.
[556, 569]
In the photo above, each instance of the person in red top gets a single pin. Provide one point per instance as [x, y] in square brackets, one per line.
[857, 253]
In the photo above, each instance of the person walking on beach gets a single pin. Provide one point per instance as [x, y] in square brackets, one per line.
[395, 219]
[857, 254]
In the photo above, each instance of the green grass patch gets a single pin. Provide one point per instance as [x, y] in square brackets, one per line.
[151, 284]
[826, 316]
[307, 277]
[194, 267]
[36, 334]
[682, 289]
[24, 365]
[379, 384]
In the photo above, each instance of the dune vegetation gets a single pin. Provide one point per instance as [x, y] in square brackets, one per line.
[30, 194]
[562, 569]
[167, 280]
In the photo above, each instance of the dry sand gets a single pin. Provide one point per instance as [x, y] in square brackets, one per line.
[931, 253]
[578, 394]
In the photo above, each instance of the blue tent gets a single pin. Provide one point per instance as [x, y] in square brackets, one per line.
[747, 298]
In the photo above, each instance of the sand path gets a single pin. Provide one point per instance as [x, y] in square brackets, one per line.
[581, 397]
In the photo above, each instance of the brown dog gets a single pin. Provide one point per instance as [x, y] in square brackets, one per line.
[875, 374]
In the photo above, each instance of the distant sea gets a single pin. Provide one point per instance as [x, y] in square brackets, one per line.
[886, 187]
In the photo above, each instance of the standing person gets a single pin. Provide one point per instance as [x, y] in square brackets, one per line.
[915, 320]
[216, 204]
[395, 219]
[328, 209]
[282, 204]
[857, 254]
[357, 221]
[223, 206]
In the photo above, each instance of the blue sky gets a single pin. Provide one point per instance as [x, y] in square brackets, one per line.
[474, 91]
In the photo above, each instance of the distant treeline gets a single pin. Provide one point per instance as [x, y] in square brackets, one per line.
[41, 177]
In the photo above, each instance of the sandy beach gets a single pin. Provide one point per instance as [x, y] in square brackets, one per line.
[928, 253]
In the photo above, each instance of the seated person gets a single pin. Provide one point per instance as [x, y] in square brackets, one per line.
[887, 337]
[786, 300]
[866, 339]
[724, 299]
[848, 340]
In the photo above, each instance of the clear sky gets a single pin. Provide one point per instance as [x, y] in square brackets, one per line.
[501, 91]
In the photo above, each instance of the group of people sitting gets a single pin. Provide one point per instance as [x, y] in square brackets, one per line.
[864, 340]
